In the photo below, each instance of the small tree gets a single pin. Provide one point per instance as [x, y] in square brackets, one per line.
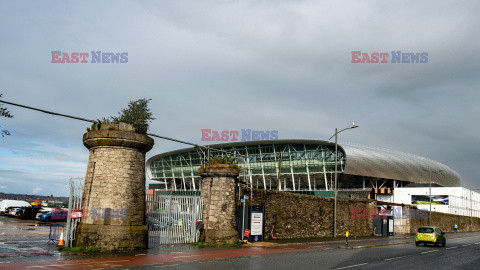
[4, 113]
[137, 113]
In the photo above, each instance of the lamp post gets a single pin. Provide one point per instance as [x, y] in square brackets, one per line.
[336, 161]
[430, 195]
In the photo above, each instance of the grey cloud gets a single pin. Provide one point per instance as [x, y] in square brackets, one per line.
[282, 65]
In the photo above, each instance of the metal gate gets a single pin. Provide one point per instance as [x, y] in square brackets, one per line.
[74, 206]
[173, 219]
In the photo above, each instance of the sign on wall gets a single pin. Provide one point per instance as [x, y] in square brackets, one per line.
[425, 199]
[256, 223]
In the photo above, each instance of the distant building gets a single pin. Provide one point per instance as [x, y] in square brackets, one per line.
[451, 200]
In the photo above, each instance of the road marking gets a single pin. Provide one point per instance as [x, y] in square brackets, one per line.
[451, 247]
[113, 261]
[466, 245]
[477, 243]
[355, 265]
[429, 251]
[187, 256]
[394, 258]
[161, 266]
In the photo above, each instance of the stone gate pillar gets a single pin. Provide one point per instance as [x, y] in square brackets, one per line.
[219, 183]
[114, 190]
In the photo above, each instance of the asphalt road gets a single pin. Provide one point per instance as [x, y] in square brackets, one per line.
[24, 240]
[23, 246]
[460, 253]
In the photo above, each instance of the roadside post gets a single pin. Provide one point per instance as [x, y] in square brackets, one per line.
[347, 234]
[243, 218]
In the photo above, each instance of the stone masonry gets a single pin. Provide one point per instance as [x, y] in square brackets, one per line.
[305, 216]
[219, 210]
[114, 191]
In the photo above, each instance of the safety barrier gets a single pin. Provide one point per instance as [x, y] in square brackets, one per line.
[55, 231]
[74, 210]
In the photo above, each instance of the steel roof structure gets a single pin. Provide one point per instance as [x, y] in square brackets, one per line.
[306, 165]
[389, 164]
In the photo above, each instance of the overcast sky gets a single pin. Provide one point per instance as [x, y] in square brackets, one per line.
[263, 65]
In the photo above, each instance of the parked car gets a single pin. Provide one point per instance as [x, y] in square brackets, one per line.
[18, 211]
[430, 235]
[159, 221]
[54, 215]
[11, 211]
[11, 203]
[42, 211]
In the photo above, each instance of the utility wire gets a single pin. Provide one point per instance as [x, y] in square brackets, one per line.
[93, 121]
[175, 140]
[49, 112]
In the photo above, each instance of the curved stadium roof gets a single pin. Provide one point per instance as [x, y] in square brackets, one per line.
[359, 161]
[388, 164]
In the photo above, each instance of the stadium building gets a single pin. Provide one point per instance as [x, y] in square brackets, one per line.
[305, 165]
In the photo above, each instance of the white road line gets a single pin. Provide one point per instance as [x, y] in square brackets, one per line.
[429, 251]
[66, 264]
[466, 245]
[186, 256]
[451, 247]
[113, 261]
[394, 258]
[477, 243]
[161, 266]
[355, 265]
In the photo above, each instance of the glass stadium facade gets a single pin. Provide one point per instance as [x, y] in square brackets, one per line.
[298, 165]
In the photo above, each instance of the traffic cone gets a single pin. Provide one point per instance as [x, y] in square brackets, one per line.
[61, 242]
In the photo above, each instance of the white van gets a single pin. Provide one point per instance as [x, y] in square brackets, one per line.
[9, 203]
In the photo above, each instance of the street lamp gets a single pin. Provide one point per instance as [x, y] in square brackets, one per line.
[430, 194]
[336, 157]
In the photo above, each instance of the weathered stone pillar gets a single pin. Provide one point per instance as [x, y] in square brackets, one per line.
[114, 190]
[219, 208]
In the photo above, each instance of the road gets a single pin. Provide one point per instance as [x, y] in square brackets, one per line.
[461, 253]
[24, 240]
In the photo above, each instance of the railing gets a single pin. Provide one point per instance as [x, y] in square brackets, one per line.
[55, 232]
[74, 206]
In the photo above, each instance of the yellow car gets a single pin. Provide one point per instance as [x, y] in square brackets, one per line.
[430, 235]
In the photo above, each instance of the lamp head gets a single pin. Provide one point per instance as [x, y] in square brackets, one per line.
[353, 125]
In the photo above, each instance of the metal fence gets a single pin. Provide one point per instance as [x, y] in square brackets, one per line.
[172, 219]
[74, 210]
[55, 231]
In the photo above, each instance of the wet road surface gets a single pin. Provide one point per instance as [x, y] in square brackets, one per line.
[23, 245]
[24, 239]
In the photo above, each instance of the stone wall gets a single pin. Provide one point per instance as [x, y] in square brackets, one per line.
[446, 222]
[303, 216]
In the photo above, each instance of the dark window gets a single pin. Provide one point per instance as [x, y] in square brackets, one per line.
[425, 230]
